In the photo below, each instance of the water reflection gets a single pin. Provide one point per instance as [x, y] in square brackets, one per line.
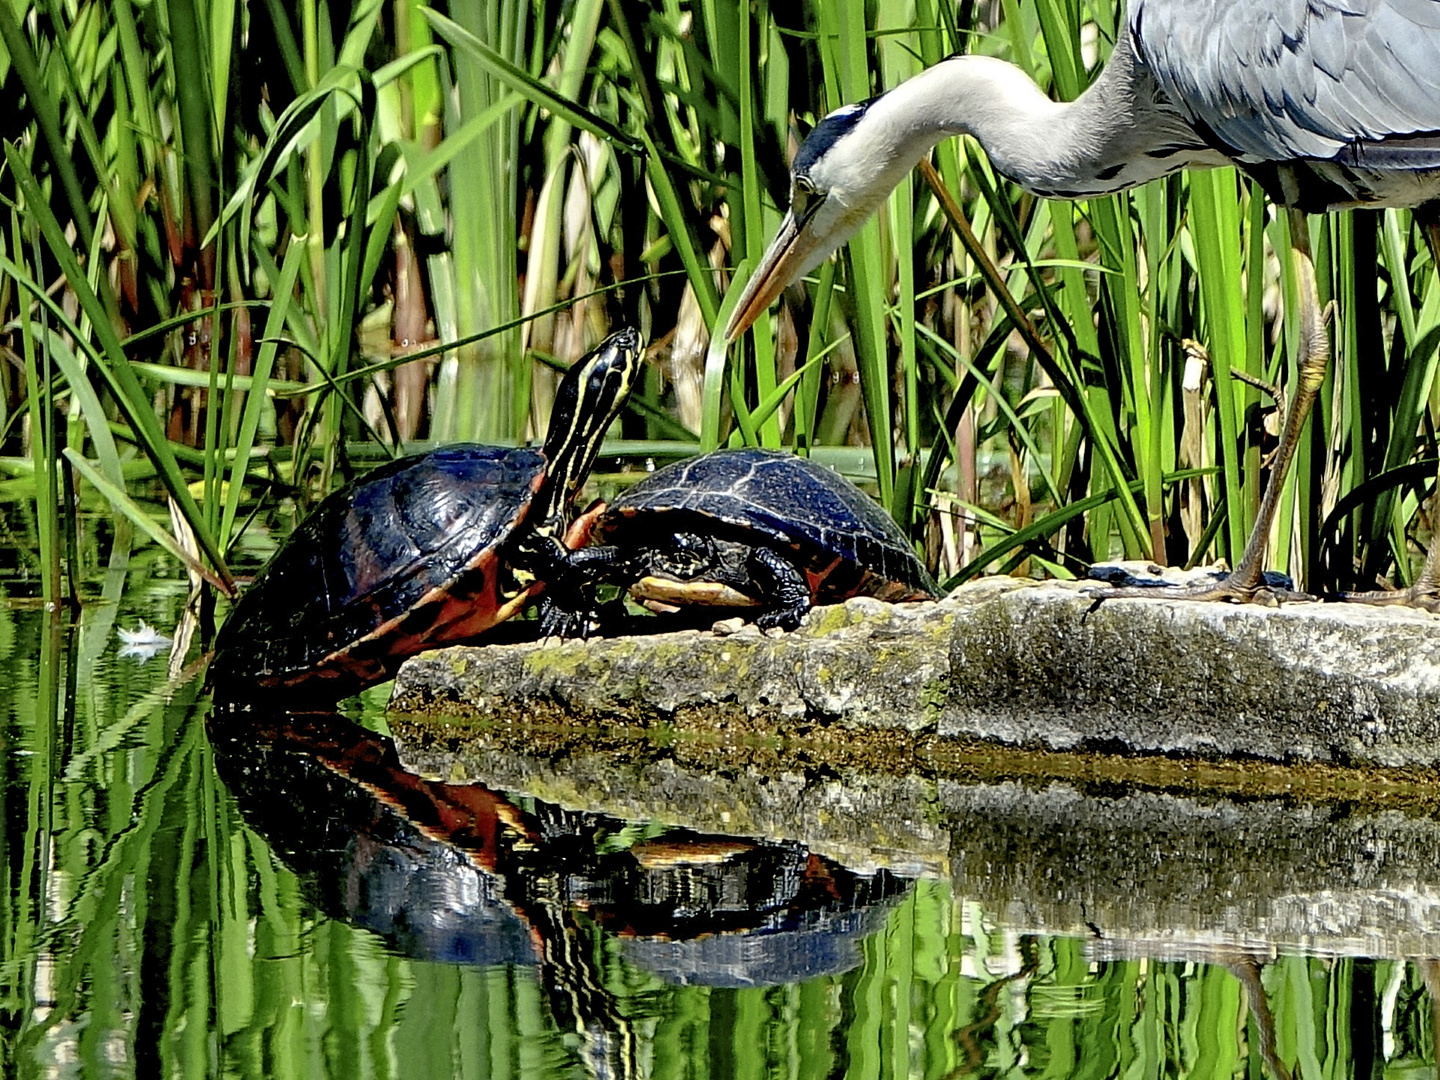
[305, 898]
[460, 873]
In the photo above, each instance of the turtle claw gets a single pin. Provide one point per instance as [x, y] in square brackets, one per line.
[564, 623]
[788, 618]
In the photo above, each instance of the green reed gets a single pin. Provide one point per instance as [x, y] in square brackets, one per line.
[385, 238]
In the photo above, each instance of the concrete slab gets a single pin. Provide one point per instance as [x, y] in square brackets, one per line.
[1008, 662]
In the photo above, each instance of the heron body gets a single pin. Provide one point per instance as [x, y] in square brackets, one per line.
[1329, 104]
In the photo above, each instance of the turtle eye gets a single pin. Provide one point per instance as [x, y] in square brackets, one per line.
[689, 555]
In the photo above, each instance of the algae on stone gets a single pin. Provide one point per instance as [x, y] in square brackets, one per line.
[1004, 661]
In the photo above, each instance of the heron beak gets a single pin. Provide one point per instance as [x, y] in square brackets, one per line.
[785, 260]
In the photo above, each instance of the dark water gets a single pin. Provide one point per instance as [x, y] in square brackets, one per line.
[281, 897]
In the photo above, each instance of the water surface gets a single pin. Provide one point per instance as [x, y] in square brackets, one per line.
[267, 896]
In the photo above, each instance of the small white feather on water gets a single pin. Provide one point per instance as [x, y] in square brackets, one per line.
[141, 643]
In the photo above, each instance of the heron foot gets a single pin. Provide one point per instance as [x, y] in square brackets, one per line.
[1269, 588]
[1424, 595]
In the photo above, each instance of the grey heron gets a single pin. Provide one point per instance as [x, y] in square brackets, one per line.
[1329, 104]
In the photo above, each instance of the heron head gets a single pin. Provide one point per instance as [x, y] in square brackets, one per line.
[846, 169]
[834, 187]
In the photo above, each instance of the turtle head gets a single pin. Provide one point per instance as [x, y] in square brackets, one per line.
[589, 397]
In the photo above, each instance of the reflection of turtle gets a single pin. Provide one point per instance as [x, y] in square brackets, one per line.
[753, 528]
[819, 943]
[375, 846]
[431, 548]
[463, 874]
[727, 911]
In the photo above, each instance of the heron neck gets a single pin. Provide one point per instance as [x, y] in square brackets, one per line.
[1067, 149]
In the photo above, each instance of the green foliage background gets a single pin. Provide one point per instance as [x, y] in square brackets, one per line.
[247, 247]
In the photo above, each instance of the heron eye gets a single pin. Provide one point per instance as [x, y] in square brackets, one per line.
[800, 192]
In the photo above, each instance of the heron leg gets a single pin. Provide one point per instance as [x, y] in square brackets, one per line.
[1247, 581]
[1424, 592]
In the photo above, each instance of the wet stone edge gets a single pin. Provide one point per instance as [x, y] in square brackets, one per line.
[1000, 663]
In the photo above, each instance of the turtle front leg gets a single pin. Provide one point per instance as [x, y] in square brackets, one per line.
[784, 585]
[569, 608]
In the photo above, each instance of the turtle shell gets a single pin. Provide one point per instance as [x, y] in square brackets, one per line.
[403, 558]
[839, 536]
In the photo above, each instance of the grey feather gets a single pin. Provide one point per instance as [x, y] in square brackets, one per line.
[1293, 79]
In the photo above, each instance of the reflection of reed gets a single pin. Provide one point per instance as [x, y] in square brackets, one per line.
[968, 1037]
[1247, 969]
[1429, 968]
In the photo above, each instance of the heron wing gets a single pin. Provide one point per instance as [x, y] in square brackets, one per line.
[1282, 79]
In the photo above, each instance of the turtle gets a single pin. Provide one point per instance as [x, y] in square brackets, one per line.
[746, 528]
[429, 549]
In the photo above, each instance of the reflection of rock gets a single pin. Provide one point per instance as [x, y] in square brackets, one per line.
[1146, 874]
[864, 821]
[1005, 661]
[1142, 872]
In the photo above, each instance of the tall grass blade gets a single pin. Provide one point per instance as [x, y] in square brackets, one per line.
[528, 87]
[42, 105]
[136, 513]
[715, 364]
[844, 24]
[1215, 229]
[132, 397]
[257, 401]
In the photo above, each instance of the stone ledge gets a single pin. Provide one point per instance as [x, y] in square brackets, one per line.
[1005, 661]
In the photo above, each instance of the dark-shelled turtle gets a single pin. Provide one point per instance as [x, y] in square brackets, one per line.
[428, 549]
[750, 528]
